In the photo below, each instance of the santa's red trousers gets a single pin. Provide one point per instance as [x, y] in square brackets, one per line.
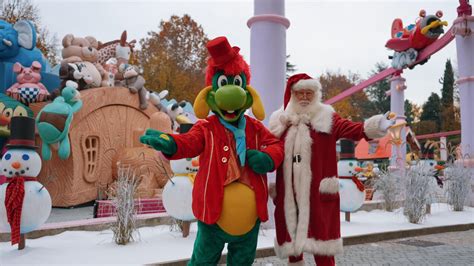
[320, 260]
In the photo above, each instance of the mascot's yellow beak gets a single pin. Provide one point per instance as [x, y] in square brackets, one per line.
[257, 106]
[201, 109]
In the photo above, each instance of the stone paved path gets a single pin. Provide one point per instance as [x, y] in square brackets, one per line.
[452, 249]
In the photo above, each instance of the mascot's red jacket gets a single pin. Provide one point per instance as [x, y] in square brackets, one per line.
[207, 138]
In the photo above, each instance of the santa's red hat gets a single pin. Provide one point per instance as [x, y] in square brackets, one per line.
[299, 82]
[226, 58]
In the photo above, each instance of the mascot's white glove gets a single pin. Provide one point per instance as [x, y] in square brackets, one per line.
[387, 121]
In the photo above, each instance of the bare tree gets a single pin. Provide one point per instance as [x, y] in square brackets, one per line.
[458, 181]
[420, 191]
[124, 204]
[390, 184]
[14, 10]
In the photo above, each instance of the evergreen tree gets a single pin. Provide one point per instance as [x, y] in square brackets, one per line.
[290, 68]
[410, 116]
[447, 100]
[432, 111]
[376, 93]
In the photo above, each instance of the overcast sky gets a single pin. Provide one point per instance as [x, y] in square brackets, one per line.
[344, 36]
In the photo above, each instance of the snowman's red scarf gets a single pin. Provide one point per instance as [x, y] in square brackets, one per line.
[354, 179]
[14, 203]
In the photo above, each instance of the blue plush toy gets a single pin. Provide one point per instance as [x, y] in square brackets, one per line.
[18, 44]
[54, 120]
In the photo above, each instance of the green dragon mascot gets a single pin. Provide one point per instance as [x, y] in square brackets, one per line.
[235, 152]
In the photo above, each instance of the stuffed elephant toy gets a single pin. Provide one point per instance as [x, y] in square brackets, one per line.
[18, 44]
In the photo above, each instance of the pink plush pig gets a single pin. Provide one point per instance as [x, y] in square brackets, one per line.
[28, 88]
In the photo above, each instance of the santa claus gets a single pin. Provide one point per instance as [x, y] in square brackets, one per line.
[307, 199]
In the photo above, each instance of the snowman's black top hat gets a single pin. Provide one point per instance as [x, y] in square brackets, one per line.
[347, 149]
[22, 133]
[184, 128]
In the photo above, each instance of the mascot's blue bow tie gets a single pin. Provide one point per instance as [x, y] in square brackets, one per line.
[239, 136]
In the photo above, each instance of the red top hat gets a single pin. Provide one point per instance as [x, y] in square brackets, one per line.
[221, 52]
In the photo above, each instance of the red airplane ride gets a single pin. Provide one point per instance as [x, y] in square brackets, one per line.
[426, 31]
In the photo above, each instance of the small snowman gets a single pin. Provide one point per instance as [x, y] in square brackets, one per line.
[24, 203]
[351, 190]
[177, 193]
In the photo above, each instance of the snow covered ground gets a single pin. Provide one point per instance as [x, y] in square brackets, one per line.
[158, 244]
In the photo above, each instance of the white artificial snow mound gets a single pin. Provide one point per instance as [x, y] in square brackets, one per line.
[158, 244]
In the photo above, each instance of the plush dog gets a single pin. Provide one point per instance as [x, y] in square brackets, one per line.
[134, 82]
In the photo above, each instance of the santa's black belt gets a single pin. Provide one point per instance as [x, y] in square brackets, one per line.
[297, 158]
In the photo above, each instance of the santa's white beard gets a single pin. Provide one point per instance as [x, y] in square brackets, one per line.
[309, 108]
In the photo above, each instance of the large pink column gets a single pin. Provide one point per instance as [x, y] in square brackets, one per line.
[268, 52]
[464, 27]
[397, 105]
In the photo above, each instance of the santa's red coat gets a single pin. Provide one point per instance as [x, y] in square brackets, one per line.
[307, 198]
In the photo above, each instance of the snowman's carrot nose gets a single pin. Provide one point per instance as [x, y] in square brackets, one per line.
[195, 163]
[16, 165]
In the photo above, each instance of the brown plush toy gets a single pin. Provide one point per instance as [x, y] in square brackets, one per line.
[78, 49]
[134, 82]
[81, 54]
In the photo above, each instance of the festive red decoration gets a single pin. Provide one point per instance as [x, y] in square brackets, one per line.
[13, 204]
[225, 58]
[292, 81]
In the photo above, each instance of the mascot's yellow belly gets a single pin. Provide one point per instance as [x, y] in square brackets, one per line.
[239, 209]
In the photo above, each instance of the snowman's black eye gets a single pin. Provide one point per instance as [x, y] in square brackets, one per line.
[8, 156]
[25, 157]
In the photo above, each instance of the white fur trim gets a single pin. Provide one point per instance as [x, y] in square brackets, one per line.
[285, 250]
[326, 248]
[329, 185]
[302, 177]
[276, 126]
[289, 201]
[323, 119]
[319, 115]
[372, 127]
[298, 176]
[317, 247]
[312, 84]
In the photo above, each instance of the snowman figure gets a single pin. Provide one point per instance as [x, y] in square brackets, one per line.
[24, 203]
[351, 190]
[177, 193]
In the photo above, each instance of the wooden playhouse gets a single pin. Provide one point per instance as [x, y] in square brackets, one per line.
[104, 133]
